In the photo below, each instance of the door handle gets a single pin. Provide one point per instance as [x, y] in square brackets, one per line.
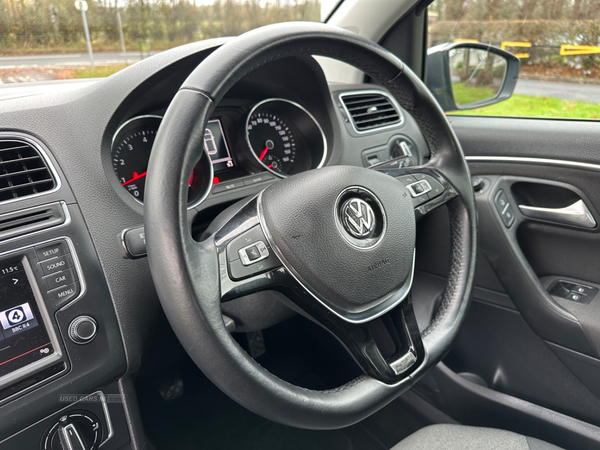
[576, 214]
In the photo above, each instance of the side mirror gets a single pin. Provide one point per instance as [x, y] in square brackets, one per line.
[466, 75]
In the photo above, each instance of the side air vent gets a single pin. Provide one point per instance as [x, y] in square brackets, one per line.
[370, 110]
[23, 170]
[17, 223]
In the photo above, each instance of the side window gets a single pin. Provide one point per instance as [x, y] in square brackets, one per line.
[556, 41]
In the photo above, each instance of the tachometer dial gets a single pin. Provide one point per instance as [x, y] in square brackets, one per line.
[285, 138]
[130, 155]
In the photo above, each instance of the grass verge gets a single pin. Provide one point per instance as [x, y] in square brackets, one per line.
[98, 72]
[520, 105]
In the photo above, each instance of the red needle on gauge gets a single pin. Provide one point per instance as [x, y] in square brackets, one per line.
[135, 177]
[264, 152]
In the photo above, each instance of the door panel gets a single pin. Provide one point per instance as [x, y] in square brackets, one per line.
[530, 344]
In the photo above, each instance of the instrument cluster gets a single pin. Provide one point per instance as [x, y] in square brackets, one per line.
[274, 135]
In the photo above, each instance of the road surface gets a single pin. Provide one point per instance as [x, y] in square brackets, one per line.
[68, 59]
[568, 91]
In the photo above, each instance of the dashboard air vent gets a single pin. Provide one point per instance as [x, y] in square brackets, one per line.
[24, 221]
[370, 110]
[23, 170]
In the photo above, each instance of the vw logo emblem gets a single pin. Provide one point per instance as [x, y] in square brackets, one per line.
[358, 218]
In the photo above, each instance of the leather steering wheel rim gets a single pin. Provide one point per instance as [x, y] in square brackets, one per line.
[186, 273]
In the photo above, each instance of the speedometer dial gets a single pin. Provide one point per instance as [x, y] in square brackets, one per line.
[272, 141]
[284, 137]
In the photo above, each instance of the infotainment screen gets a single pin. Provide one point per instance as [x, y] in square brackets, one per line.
[216, 146]
[23, 336]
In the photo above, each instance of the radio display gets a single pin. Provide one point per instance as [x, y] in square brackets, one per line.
[23, 336]
[216, 146]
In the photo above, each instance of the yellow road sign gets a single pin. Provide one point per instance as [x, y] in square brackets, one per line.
[568, 50]
[505, 44]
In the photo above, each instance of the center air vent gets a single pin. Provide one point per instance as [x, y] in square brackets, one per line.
[23, 170]
[370, 110]
[24, 221]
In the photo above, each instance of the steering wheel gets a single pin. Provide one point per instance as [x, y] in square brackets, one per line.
[339, 242]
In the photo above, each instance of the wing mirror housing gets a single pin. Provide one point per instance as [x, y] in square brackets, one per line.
[467, 75]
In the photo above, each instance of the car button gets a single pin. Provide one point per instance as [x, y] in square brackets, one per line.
[60, 279]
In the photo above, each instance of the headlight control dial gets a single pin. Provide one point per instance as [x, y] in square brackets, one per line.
[76, 430]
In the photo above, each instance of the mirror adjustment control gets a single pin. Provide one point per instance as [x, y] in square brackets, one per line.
[83, 330]
[504, 209]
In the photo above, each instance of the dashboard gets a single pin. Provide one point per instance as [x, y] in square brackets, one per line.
[77, 302]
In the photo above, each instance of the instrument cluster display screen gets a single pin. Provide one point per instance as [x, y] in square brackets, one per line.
[23, 336]
[216, 146]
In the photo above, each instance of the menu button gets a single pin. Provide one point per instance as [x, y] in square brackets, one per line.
[64, 294]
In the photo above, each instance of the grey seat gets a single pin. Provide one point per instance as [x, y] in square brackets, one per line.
[460, 437]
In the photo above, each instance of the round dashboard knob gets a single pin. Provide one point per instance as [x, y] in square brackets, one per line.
[76, 430]
[83, 330]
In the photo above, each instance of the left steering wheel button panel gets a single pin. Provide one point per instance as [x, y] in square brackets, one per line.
[253, 253]
[239, 271]
[248, 255]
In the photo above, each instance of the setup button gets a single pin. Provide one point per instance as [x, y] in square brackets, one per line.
[51, 251]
